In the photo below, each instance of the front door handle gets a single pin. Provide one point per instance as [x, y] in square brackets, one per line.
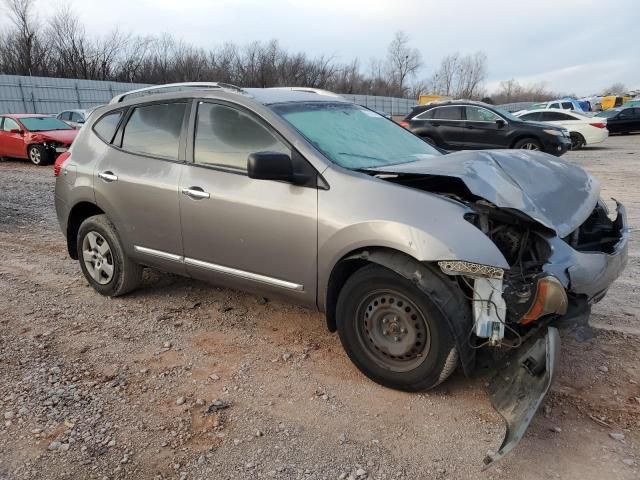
[108, 176]
[196, 193]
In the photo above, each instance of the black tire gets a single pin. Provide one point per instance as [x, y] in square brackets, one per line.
[577, 141]
[528, 144]
[358, 325]
[38, 155]
[126, 274]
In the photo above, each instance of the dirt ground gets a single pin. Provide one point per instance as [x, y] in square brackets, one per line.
[185, 380]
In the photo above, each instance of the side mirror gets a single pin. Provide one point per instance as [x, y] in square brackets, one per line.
[501, 123]
[17, 130]
[273, 166]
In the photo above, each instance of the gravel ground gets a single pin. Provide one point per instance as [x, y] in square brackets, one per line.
[185, 380]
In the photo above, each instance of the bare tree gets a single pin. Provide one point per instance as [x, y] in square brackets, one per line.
[512, 91]
[460, 76]
[402, 60]
[617, 88]
[22, 51]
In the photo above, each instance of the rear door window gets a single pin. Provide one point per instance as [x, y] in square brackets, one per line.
[479, 114]
[554, 117]
[425, 115]
[534, 116]
[554, 105]
[447, 113]
[106, 127]
[76, 117]
[155, 130]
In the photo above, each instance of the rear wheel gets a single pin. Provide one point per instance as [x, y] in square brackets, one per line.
[38, 155]
[393, 332]
[528, 144]
[103, 259]
[577, 141]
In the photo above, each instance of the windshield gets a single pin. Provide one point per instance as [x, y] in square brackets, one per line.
[40, 124]
[354, 137]
[608, 113]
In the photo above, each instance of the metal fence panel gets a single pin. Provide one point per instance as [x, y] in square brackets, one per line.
[21, 94]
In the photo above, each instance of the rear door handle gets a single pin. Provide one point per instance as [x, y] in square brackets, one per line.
[108, 176]
[196, 193]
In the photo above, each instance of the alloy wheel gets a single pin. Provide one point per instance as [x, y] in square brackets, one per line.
[530, 146]
[97, 257]
[35, 156]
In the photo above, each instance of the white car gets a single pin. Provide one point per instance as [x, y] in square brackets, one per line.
[583, 130]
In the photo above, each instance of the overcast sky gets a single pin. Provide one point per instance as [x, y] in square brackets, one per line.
[579, 46]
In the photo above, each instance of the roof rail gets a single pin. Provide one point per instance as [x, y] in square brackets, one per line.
[194, 85]
[318, 91]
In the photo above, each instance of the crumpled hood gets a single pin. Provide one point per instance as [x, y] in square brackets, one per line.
[553, 192]
[65, 137]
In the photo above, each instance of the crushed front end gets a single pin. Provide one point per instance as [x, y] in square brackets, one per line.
[549, 279]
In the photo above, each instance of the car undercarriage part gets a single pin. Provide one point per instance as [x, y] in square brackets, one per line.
[520, 385]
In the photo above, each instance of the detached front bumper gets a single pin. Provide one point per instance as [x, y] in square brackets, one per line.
[520, 385]
[590, 273]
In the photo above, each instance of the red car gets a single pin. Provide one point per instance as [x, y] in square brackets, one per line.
[39, 138]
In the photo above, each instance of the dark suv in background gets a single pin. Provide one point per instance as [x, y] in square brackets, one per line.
[462, 125]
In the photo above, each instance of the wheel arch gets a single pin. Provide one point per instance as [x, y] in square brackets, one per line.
[454, 306]
[78, 214]
[522, 136]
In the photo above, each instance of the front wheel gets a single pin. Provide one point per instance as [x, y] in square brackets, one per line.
[528, 144]
[393, 332]
[38, 155]
[103, 259]
[577, 141]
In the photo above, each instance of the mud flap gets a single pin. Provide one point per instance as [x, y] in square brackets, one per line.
[518, 388]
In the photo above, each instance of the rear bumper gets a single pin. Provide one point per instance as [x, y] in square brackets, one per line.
[590, 274]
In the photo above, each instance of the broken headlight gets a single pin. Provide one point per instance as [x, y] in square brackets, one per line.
[470, 269]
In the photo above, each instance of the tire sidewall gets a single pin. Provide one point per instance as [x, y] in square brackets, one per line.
[44, 155]
[425, 375]
[100, 225]
[524, 141]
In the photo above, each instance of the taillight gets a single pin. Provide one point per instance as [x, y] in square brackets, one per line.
[598, 125]
[57, 167]
[404, 124]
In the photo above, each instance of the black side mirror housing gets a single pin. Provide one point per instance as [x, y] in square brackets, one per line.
[274, 166]
[501, 123]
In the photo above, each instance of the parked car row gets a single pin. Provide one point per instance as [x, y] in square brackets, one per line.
[40, 138]
[583, 130]
[464, 124]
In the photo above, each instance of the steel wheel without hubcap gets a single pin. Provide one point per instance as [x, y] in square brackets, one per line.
[97, 257]
[530, 146]
[393, 331]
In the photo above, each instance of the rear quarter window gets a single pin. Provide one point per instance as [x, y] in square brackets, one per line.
[155, 130]
[106, 127]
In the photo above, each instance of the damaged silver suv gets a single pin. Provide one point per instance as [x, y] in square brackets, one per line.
[420, 260]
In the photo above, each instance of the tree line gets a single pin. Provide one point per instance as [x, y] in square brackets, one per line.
[59, 46]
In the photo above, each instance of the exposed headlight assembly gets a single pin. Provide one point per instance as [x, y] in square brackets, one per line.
[470, 269]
